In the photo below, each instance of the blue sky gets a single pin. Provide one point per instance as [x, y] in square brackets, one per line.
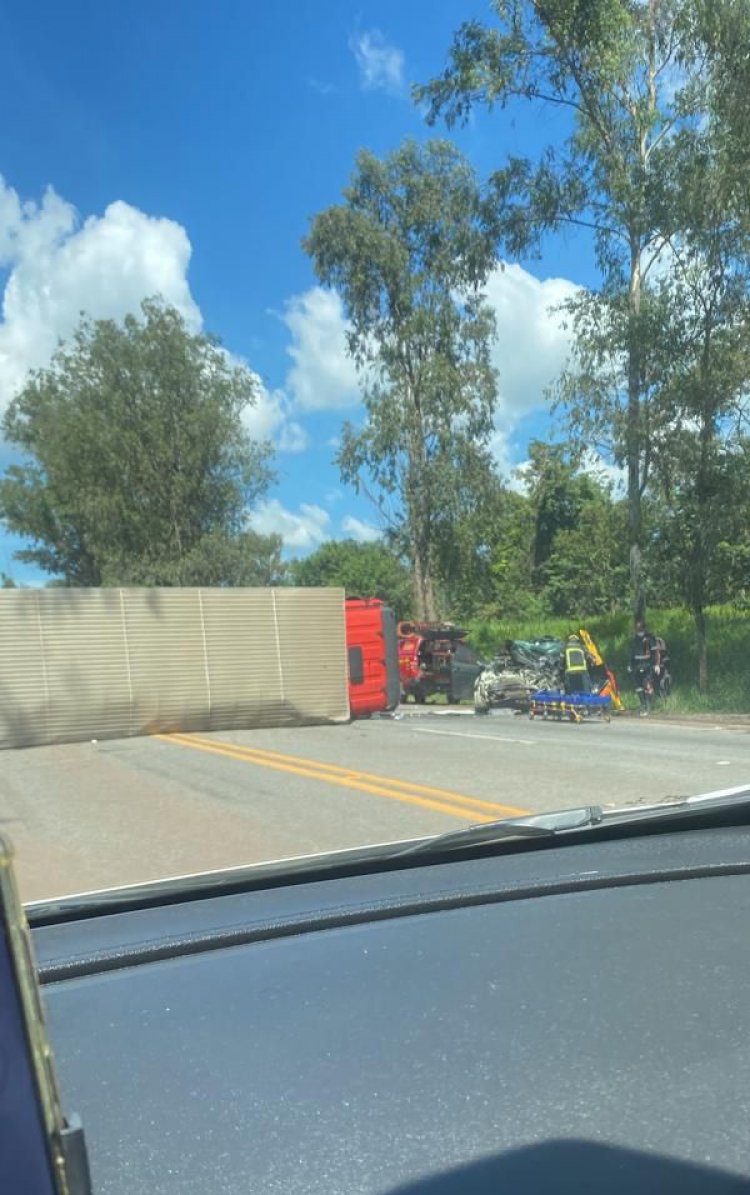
[184, 147]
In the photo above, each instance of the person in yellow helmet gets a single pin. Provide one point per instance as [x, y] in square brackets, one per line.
[577, 678]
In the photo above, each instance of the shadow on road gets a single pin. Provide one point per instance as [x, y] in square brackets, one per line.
[579, 1168]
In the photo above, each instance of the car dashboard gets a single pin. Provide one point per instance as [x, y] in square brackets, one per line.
[549, 1018]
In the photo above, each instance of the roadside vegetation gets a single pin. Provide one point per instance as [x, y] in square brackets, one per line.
[729, 652]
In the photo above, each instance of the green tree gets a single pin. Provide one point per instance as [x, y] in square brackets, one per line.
[241, 558]
[702, 477]
[408, 251]
[557, 548]
[138, 466]
[512, 562]
[587, 570]
[577, 533]
[629, 77]
[363, 570]
[722, 29]
[557, 492]
[463, 564]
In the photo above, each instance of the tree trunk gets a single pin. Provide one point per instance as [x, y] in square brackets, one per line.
[699, 616]
[700, 563]
[633, 434]
[635, 372]
[425, 606]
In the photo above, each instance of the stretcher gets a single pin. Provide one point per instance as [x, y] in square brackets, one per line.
[570, 707]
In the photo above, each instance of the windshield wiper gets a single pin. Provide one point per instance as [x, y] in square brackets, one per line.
[536, 825]
[733, 802]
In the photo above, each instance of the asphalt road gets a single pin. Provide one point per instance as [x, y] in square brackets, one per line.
[91, 815]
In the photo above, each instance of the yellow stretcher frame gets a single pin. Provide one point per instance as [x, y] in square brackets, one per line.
[557, 711]
[598, 658]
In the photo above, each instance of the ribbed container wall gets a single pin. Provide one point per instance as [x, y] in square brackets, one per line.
[309, 652]
[241, 641]
[79, 664]
[84, 656]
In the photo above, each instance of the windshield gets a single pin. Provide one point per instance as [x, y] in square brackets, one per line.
[374, 457]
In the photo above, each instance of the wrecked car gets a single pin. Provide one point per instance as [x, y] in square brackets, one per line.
[520, 668]
[523, 667]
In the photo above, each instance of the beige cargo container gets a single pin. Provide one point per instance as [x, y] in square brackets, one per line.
[79, 664]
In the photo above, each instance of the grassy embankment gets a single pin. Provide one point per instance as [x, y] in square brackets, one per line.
[728, 652]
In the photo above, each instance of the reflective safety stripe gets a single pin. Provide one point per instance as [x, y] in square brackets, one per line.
[575, 659]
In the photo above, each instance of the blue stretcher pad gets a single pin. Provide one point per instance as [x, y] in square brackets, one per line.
[583, 700]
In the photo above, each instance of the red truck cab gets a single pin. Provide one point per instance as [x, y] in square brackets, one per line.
[372, 645]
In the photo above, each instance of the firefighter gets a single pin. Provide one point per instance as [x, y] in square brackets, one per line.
[577, 678]
[644, 665]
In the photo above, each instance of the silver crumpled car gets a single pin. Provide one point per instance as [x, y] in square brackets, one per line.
[520, 668]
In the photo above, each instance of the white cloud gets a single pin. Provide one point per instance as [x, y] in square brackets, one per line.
[307, 529]
[516, 480]
[292, 437]
[321, 86]
[59, 267]
[270, 419]
[357, 529]
[500, 448]
[531, 345]
[606, 472]
[530, 349]
[381, 65]
[323, 376]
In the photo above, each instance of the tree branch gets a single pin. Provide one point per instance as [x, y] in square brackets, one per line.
[567, 218]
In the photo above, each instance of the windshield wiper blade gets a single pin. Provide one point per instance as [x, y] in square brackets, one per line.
[535, 825]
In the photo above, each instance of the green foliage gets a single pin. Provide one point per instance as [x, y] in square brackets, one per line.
[630, 77]
[221, 559]
[511, 546]
[139, 468]
[722, 29]
[467, 559]
[558, 548]
[587, 572]
[557, 492]
[408, 251]
[363, 570]
[728, 651]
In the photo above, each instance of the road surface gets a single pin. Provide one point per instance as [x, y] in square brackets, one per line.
[91, 815]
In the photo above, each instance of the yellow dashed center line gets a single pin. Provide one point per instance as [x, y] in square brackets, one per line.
[439, 800]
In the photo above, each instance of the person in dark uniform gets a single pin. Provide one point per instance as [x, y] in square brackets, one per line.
[577, 678]
[644, 665]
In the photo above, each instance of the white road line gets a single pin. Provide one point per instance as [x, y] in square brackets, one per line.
[486, 738]
[739, 790]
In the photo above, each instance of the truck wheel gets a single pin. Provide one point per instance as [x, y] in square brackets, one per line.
[481, 709]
